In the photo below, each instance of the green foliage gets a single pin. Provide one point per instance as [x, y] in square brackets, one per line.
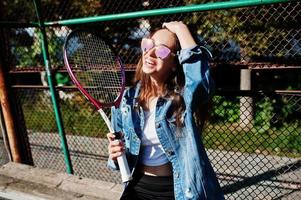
[26, 51]
[274, 112]
[264, 113]
[225, 109]
[230, 137]
[55, 46]
[252, 34]
[287, 108]
[26, 54]
[18, 10]
[57, 9]
[269, 112]
[30, 55]
[79, 117]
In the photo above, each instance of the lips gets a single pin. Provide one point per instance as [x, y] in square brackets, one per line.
[149, 65]
[149, 61]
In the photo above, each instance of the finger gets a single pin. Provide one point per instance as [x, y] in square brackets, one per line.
[114, 156]
[111, 136]
[122, 134]
[165, 24]
[117, 149]
[116, 143]
[115, 146]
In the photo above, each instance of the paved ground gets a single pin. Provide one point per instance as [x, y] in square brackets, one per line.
[23, 182]
[242, 176]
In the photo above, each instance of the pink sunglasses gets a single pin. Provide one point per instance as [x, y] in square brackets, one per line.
[161, 51]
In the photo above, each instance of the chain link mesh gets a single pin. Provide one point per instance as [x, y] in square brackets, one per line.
[25, 49]
[3, 153]
[21, 11]
[259, 159]
[4, 157]
[253, 141]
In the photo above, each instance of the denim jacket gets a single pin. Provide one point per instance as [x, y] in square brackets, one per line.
[193, 174]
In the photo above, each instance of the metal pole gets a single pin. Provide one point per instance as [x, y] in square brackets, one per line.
[167, 11]
[57, 113]
[246, 102]
[8, 116]
[154, 12]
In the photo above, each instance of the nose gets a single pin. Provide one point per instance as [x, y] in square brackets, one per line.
[152, 52]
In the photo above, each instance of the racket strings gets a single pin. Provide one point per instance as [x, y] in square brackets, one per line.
[95, 66]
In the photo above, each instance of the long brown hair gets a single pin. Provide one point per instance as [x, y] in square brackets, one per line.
[172, 88]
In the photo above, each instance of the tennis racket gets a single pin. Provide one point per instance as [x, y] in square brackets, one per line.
[99, 74]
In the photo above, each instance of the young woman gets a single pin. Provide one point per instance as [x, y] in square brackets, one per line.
[158, 118]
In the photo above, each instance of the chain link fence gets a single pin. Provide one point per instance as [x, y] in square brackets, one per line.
[4, 154]
[258, 160]
[252, 138]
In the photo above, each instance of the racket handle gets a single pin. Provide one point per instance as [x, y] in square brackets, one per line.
[124, 168]
[122, 161]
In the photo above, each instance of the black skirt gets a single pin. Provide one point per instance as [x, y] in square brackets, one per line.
[144, 187]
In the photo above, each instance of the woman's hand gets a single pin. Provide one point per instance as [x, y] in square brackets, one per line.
[174, 26]
[181, 30]
[115, 147]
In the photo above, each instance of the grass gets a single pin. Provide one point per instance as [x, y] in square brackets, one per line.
[81, 119]
[284, 141]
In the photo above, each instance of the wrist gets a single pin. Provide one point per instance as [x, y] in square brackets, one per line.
[185, 38]
[181, 28]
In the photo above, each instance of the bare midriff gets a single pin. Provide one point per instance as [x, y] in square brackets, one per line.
[162, 170]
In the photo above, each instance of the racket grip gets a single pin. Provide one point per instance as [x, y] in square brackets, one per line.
[124, 168]
[123, 163]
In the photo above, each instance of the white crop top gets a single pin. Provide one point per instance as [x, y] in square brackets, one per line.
[152, 150]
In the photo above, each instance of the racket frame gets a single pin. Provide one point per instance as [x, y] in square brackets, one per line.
[95, 102]
[122, 161]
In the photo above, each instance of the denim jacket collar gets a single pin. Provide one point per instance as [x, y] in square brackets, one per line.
[137, 92]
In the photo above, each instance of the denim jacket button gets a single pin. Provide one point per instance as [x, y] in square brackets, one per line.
[170, 152]
[158, 125]
[124, 110]
[189, 194]
[135, 137]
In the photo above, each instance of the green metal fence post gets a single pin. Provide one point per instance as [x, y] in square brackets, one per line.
[57, 112]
